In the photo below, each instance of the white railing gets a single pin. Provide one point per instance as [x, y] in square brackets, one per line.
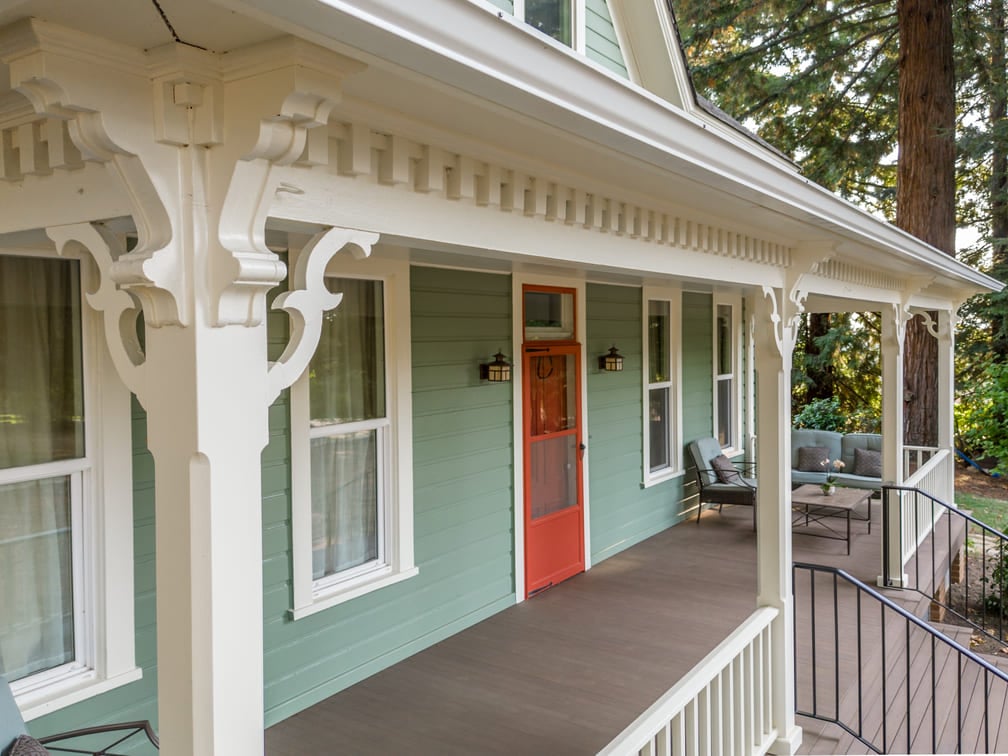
[722, 706]
[915, 457]
[936, 477]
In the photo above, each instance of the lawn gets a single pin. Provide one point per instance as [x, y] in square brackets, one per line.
[993, 512]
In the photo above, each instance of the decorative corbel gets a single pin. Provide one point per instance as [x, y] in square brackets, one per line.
[242, 279]
[785, 311]
[118, 309]
[51, 67]
[309, 298]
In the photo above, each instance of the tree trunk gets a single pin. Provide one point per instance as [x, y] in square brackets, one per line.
[999, 173]
[925, 190]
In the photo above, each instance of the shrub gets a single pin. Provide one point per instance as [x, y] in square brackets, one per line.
[821, 414]
[982, 415]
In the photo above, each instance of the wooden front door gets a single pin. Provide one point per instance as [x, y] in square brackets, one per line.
[553, 453]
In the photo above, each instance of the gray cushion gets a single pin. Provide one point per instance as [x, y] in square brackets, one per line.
[813, 458]
[725, 470]
[868, 463]
[26, 745]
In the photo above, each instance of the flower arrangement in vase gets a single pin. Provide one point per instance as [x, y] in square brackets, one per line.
[832, 468]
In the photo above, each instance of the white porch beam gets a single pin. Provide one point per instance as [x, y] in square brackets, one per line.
[946, 394]
[775, 330]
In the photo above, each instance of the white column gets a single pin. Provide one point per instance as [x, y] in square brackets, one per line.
[774, 341]
[893, 331]
[946, 398]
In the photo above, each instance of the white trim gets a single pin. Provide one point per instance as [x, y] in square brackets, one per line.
[101, 529]
[396, 561]
[675, 467]
[623, 40]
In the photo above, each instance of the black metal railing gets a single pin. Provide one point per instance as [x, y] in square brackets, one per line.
[885, 677]
[985, 572]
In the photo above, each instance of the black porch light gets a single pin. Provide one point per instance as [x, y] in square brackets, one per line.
[612, 362]
[498, 371]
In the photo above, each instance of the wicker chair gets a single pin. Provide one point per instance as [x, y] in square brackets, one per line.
[741, 489]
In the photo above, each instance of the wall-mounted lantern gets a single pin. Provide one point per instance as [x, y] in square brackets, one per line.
[498, 371]
[612, 362]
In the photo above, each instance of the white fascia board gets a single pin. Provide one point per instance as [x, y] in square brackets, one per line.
[494, 57]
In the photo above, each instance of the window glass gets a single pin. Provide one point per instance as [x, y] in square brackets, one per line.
[41, 394]
[724, 339]
[549, 315]
[41, 421]
[658, 414]
[552, 17]
[347, 373]
[344, 502]
[347, 385]
[658, 341]
[724, 412]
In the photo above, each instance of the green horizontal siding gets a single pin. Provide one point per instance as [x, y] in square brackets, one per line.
[623, 513]
[601, 43]
[463, 507]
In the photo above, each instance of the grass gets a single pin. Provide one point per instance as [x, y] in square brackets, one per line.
[993, 512]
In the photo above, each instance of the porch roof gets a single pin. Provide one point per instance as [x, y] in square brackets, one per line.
[567, 671]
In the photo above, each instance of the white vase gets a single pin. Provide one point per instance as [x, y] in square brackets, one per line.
[828, 490]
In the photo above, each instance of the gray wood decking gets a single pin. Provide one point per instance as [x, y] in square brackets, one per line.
[566, 671]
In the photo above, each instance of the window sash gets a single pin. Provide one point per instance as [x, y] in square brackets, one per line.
[661, 319]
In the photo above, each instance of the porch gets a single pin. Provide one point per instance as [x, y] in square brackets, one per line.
[564, 673]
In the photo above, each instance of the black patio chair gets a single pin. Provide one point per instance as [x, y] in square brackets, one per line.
[96, 741]
[732, 486]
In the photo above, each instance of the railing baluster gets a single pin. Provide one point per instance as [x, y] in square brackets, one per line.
[934, 699]
[906, 622]
[860, 675]
[836, 647]
[885, 676]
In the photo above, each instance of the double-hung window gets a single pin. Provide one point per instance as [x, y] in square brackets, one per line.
[352, 516]
[662, 438]
[727, 360]
[60, 614]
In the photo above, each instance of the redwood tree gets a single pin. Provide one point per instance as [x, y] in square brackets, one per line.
[925, 187]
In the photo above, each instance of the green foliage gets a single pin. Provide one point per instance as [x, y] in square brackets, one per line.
[982, 415]
[821, 414]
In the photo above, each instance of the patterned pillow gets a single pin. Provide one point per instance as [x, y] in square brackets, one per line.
[868, 463]
[26, 745]
[725, 470]
[813, 459]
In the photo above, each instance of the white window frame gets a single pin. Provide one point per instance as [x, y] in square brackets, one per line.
[734, 301]
[578, 29]
[395, 437]
[675, 440]
[101, 493]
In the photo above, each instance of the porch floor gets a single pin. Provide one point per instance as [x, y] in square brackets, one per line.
[565, 672]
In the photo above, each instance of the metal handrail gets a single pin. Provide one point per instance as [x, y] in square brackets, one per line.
[987, 533]
[889, 708]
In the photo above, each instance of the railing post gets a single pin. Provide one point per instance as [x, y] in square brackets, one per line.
[946, 401]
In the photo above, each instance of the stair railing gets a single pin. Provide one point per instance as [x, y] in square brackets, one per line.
[884, 676]
[940, 554]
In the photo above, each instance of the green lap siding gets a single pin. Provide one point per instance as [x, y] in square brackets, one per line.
[601, 42]
[463, 511]
[623, 513]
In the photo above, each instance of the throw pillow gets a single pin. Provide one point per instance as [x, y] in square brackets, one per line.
[813, 459]
[26, 745]
[725, 470]
[868, 463]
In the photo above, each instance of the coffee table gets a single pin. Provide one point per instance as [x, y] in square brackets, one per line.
[814, 508]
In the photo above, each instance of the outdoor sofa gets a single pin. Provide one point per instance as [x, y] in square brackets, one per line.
[861, 454]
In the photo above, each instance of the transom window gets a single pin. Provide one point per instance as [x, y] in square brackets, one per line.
[563, 20]
[661, 399]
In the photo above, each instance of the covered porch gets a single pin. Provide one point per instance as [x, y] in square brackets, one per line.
[566, 672]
